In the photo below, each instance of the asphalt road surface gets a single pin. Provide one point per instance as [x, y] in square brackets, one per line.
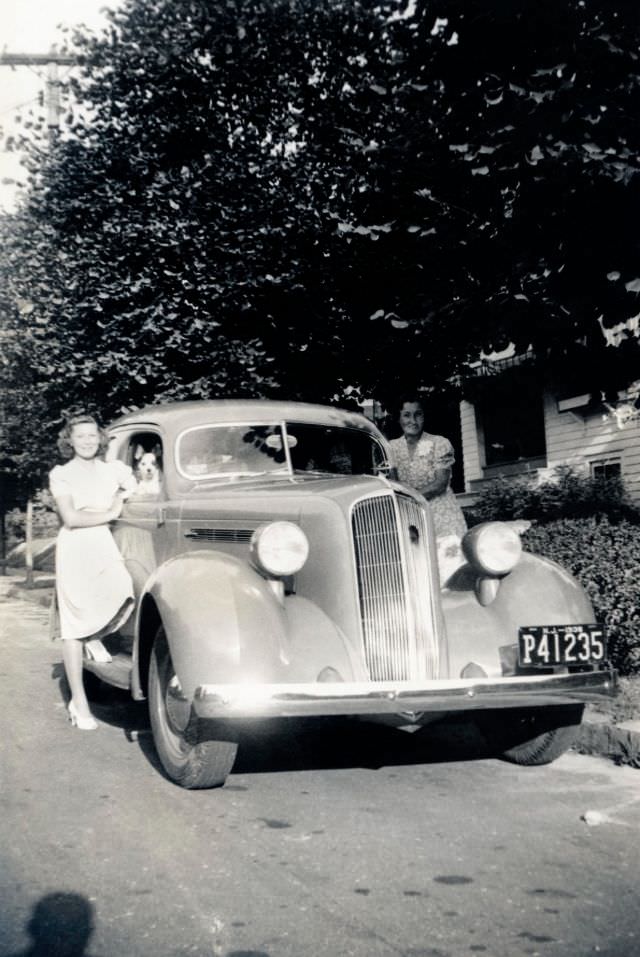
[326, 842]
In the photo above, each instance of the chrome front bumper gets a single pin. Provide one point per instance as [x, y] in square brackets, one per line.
[316, 699]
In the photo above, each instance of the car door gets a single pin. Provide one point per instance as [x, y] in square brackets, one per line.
[142, 531]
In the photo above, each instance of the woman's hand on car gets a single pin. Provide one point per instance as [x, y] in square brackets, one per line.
[117, 503]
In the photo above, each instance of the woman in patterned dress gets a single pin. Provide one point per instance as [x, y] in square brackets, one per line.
[423, 461]
[93, 588]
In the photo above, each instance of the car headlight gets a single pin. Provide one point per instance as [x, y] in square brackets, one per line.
[279, 549]
[493, 548]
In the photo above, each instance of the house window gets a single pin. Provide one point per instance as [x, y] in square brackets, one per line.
[513, 428]
[606, 469]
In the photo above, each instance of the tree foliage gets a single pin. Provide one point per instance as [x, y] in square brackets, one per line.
[295, 197]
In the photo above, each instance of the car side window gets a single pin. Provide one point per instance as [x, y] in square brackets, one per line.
[230, 449]
[381, 464]
[143, 453]
[338, 451]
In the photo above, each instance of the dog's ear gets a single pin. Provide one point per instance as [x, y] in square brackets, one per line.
[139, 452]
[157, 451]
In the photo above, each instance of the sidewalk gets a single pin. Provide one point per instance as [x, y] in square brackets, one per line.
[599, 733]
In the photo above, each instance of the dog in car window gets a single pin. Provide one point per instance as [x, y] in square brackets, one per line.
[147, 469]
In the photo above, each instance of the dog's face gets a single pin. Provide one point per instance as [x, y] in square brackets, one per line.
[147, 465]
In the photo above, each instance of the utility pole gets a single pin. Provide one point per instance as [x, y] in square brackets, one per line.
[52, 60]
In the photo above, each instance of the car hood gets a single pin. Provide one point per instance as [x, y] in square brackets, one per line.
[287, 488]
[225, 517]
[245, 504]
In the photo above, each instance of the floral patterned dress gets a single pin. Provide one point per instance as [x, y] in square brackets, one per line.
[416, 465]
[93, 588]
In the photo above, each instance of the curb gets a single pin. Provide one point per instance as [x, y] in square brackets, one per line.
[610, 741]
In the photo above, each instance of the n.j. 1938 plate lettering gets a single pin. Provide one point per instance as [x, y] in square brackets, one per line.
[543, 646]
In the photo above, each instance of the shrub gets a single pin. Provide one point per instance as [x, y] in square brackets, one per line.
[566, 495]
[45, 519]
[590, 527]
[605, 558]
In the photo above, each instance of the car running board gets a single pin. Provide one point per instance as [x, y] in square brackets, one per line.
[116, 672]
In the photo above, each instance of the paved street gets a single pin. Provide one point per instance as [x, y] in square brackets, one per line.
[326, 843]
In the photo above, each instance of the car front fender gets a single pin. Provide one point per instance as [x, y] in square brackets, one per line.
[536, 592]
[318, 650]
[226, 624]
[222, 620]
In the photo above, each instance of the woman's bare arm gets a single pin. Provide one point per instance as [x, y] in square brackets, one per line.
[83, 518]
[437, 485]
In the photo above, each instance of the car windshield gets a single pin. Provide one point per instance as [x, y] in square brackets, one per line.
[212, 451]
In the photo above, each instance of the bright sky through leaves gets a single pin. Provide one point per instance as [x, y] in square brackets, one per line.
[31, 26]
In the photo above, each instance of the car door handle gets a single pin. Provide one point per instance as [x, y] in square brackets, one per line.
[161, 516]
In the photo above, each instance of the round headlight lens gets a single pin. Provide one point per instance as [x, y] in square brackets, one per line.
[494, 548]
[279, 548]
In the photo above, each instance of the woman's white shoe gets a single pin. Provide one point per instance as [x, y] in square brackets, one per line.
[83, 724]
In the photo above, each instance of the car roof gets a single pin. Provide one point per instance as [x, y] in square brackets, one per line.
[180, 415]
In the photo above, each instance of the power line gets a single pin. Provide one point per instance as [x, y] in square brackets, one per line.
[26, 59]
[18, 106]
[52, 60]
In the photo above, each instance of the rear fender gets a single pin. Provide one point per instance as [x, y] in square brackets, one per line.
[537, 592]
[222, 620]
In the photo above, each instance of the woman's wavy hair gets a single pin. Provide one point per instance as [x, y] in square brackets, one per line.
[412, 397]
[392, 429]
[64, 435]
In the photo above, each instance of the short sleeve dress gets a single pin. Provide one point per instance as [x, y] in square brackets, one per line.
[432, 452]
[94, 589]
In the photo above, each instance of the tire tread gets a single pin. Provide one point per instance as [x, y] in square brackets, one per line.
[206, 762]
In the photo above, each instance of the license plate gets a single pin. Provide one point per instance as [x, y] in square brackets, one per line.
[543, 646]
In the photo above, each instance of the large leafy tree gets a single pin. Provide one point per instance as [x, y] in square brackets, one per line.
[293, 197]
[511, 179]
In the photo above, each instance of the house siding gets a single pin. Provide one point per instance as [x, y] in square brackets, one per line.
[577, 441]
[571, 439]
[470, 444]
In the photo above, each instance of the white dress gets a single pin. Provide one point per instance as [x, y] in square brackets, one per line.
[94, 589]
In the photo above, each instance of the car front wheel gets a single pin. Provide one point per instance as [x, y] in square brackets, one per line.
[189, 749]
[532, 736]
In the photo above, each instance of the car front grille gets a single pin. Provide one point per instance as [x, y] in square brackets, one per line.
[392, 551]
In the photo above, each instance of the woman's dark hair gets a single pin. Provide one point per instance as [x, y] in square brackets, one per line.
[64, 435]
[412, 397]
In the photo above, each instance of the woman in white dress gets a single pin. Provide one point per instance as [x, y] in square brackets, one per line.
[94, 589]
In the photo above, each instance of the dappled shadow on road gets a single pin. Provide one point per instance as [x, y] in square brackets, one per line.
[117, 708]
[296, 744]
[348, 743]
[109, 705]
[60, 926]
[341, 743]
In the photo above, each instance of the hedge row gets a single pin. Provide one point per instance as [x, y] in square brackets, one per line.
[590, 527]
[605, 558]
[566, 495]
